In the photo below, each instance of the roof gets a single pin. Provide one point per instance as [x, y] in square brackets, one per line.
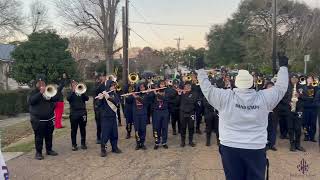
[5, 52]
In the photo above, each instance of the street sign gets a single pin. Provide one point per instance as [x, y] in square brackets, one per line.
[306, 58]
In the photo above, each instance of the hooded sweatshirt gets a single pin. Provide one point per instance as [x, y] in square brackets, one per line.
[244, 112]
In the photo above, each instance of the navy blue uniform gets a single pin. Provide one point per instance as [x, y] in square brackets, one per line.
[173, 106]
[199, 106]
[128, 109]
[108, 117]
[140, 115]
[212, 121]
[160, 118]
[310, 113]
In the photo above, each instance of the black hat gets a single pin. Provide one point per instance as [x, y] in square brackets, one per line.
[293, 75]
[40, 77]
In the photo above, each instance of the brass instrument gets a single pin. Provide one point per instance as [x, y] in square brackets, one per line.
[302, 81]
[118, 87]
[294, 99]
[187, 78]
[50, 91]
[80, 89]
[315, 83]
[133, 78]
[142, 92]
[259, 81]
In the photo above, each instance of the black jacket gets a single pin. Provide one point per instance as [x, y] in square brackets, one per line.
[77, 104]
[173, 99]
[39, 107]
[188, 103]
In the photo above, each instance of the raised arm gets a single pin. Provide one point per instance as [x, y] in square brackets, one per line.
[215, 96]
[274, 95]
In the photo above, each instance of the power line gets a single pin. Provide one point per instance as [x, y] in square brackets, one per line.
[141, 37]
[176, 25]
[145, 21]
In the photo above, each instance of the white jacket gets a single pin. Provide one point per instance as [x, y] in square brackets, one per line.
[244, 112]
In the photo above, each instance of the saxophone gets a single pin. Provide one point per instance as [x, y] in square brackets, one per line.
[294, 99]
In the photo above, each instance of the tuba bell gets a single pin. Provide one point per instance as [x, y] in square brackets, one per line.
[81, 88]
[133, 78]
[50, 91]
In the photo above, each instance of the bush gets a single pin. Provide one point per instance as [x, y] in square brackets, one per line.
[13, 102]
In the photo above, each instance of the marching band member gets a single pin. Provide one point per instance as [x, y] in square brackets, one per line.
[317, 101]
[272, 125]
[296, 114]
[108, 102]
[199, 108]
[160, 118]
[59, 108]
[78, 116]
[42, 117]
[174, 103]
[310, 110]
[140, 116]
[188, 102]
[212, 122]
[243, 121]
[100, 86]
[128, 109]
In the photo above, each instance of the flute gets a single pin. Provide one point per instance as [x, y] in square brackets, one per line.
[141, 92]
[101, 94]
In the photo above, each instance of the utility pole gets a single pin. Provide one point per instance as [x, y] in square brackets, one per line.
[125, 37]
[179, 39]
[274, 37]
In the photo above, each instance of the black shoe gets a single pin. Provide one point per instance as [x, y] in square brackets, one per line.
[38, 156]
[75, 148]
[116, 151]
[293, 149]
[183, 144]
[192, 144]
[174, 133]
[306, 139]
[128, 136]
[143, 147]
[156, 147]
[300, 148]
[273, 148]
[198, 131]
[52, 153]
[103, 153]
[98, 141]
[283, 137]
[165, 146]
[137, 147]
[313, 140]
[208, 143]
[84, 147]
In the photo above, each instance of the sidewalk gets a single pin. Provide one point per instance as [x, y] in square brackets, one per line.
[14, 120]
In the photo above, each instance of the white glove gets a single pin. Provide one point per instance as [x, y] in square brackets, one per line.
[106, 95]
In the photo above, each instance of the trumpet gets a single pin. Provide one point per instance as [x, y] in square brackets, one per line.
[133, 78]
[259, 81]
[315, 84]
[142, 92]
[187, 78]
[302, 81]
[80, 89]
[50, 91]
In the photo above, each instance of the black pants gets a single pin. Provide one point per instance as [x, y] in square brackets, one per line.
[283, 123]
[212, 124]
[119, 114]
[243, 164]
[43, 131]
[294, 127]
[98, 123]
[81, 122]
[174, 115]
[187, 121]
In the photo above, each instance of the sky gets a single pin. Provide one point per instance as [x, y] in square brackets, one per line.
[201, 14]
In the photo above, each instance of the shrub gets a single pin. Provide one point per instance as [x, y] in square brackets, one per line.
[13, 102]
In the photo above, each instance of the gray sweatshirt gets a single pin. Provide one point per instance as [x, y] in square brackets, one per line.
[244, 112]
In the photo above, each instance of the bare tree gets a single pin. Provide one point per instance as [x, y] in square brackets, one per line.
[97, 16]
[85, 47]
[38, 16]
[10, 17]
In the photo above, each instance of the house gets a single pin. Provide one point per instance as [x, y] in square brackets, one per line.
[6, 83]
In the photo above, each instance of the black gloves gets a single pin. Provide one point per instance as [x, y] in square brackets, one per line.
[283, 60]
[199, 64]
